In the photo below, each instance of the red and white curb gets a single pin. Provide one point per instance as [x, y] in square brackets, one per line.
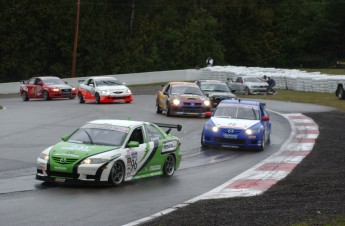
[264, 175]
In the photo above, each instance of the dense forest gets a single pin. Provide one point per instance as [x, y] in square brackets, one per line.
[37, 37]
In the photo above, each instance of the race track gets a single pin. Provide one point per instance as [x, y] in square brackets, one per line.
[29, 127]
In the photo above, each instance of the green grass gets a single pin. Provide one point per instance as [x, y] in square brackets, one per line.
[326, 99]
[1, 107]
[324, 221]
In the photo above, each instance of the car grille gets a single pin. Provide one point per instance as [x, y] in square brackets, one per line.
[231, 131]
[64, 160]
[118, 92]
[192, 109]
[230, 141]
[66, 91]
[191, 104]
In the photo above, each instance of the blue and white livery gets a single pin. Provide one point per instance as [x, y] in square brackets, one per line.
[238, 124]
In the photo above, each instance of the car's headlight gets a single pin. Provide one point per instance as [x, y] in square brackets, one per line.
[56, 89]
[94, 161]
[176, 102]
[207, 103]
[105, 92]
[128, 91]
[213, 128]
[73, 88]
[43, 156]
[251, 131]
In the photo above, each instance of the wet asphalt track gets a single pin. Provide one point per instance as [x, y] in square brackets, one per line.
[26, 128]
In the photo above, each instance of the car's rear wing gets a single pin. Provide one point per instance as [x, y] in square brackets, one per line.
[170, 126]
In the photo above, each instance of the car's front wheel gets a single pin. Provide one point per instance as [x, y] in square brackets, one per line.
[81, 98]
[167, 109]
[45, 95]
[117, 173]
[246, 91]
[25, 96]
[341, 93]
[97, 98]
[169, 166]
[262, 147]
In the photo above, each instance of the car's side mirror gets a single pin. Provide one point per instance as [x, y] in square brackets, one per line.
[166, 93]
[133, 144]
[64, 137]
[265, 118]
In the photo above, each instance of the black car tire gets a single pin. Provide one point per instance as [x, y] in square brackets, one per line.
[262, 147]
[117, 173]
[25, 96]
[169, 166]
[158, 109]
[167, 109]
[246, 91]
[81, 98]
[203, 145]
[46, 95]
[97, 98]
[341, 93]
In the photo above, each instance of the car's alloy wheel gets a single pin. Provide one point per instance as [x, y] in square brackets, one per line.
[158, 110]
[117, 173]
[246, 91]
[81, 98]
[45, 95]
[97, 98]
[169, 166]
[25, 96]
[341, 93]
[167, 109]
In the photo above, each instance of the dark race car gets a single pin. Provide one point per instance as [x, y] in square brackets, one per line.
[216, 91]
[184, 99]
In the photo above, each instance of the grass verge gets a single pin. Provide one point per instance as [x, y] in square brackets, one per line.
[326, 99]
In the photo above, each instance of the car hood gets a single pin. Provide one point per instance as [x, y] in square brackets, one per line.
[189, 97]
[234, 123]
[112, 88]
[256, 83]
[60, 86]
[224, 94]
[78, 151]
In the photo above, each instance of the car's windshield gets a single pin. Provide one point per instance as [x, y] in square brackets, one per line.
[237, 112]
[185, 89]
[252, 79]
[215, 87]
[99, 135]
[53, 81]
[108, 82]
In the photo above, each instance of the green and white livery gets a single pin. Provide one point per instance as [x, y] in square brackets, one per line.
[111, 151]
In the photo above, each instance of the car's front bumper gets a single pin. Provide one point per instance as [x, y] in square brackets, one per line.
[198, 111]
[116, 98]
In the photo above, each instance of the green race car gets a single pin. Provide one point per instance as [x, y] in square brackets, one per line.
[111, 151]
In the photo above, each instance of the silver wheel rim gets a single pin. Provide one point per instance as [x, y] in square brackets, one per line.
[117, 173]
[169, 165]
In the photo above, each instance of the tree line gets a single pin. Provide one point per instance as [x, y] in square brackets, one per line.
[129, 36]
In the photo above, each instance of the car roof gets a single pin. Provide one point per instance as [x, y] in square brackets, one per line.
[102, 77]
[211, 81]
[116, 122]
[183, 83]
[241, 102]
[47, 77]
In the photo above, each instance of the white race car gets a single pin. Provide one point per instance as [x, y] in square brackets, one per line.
[103, 89]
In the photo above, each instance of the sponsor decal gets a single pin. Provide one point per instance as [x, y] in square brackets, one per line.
[77, 147]
[157, 167]
[66, 154]
[60, 168]
[169, 146]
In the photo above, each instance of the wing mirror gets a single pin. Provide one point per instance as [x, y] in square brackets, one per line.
[133, 144]
[265, 118]
[64, 137]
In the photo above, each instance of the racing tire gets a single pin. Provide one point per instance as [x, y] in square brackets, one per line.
[169, 166]
[269, 139]
[167, 109]
[158, 110]
[117, 173]
[203, 145]
[262, 147]
[97, 98]
[25, 96]
[81, 98]
[46, 95]
[246, 91]
[341, 93]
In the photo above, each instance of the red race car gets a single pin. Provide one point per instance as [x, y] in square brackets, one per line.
[46, 87]
[104, 89]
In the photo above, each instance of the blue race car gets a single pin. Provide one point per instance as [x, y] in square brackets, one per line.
[238, 124]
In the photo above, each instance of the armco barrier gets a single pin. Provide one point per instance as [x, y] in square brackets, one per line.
[129, 79]
[285, 78]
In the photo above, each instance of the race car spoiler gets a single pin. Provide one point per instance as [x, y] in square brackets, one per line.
[170, 126]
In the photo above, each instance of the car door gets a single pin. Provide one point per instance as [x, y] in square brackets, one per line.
[34, 88]
[139, 156]
[88, 89]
